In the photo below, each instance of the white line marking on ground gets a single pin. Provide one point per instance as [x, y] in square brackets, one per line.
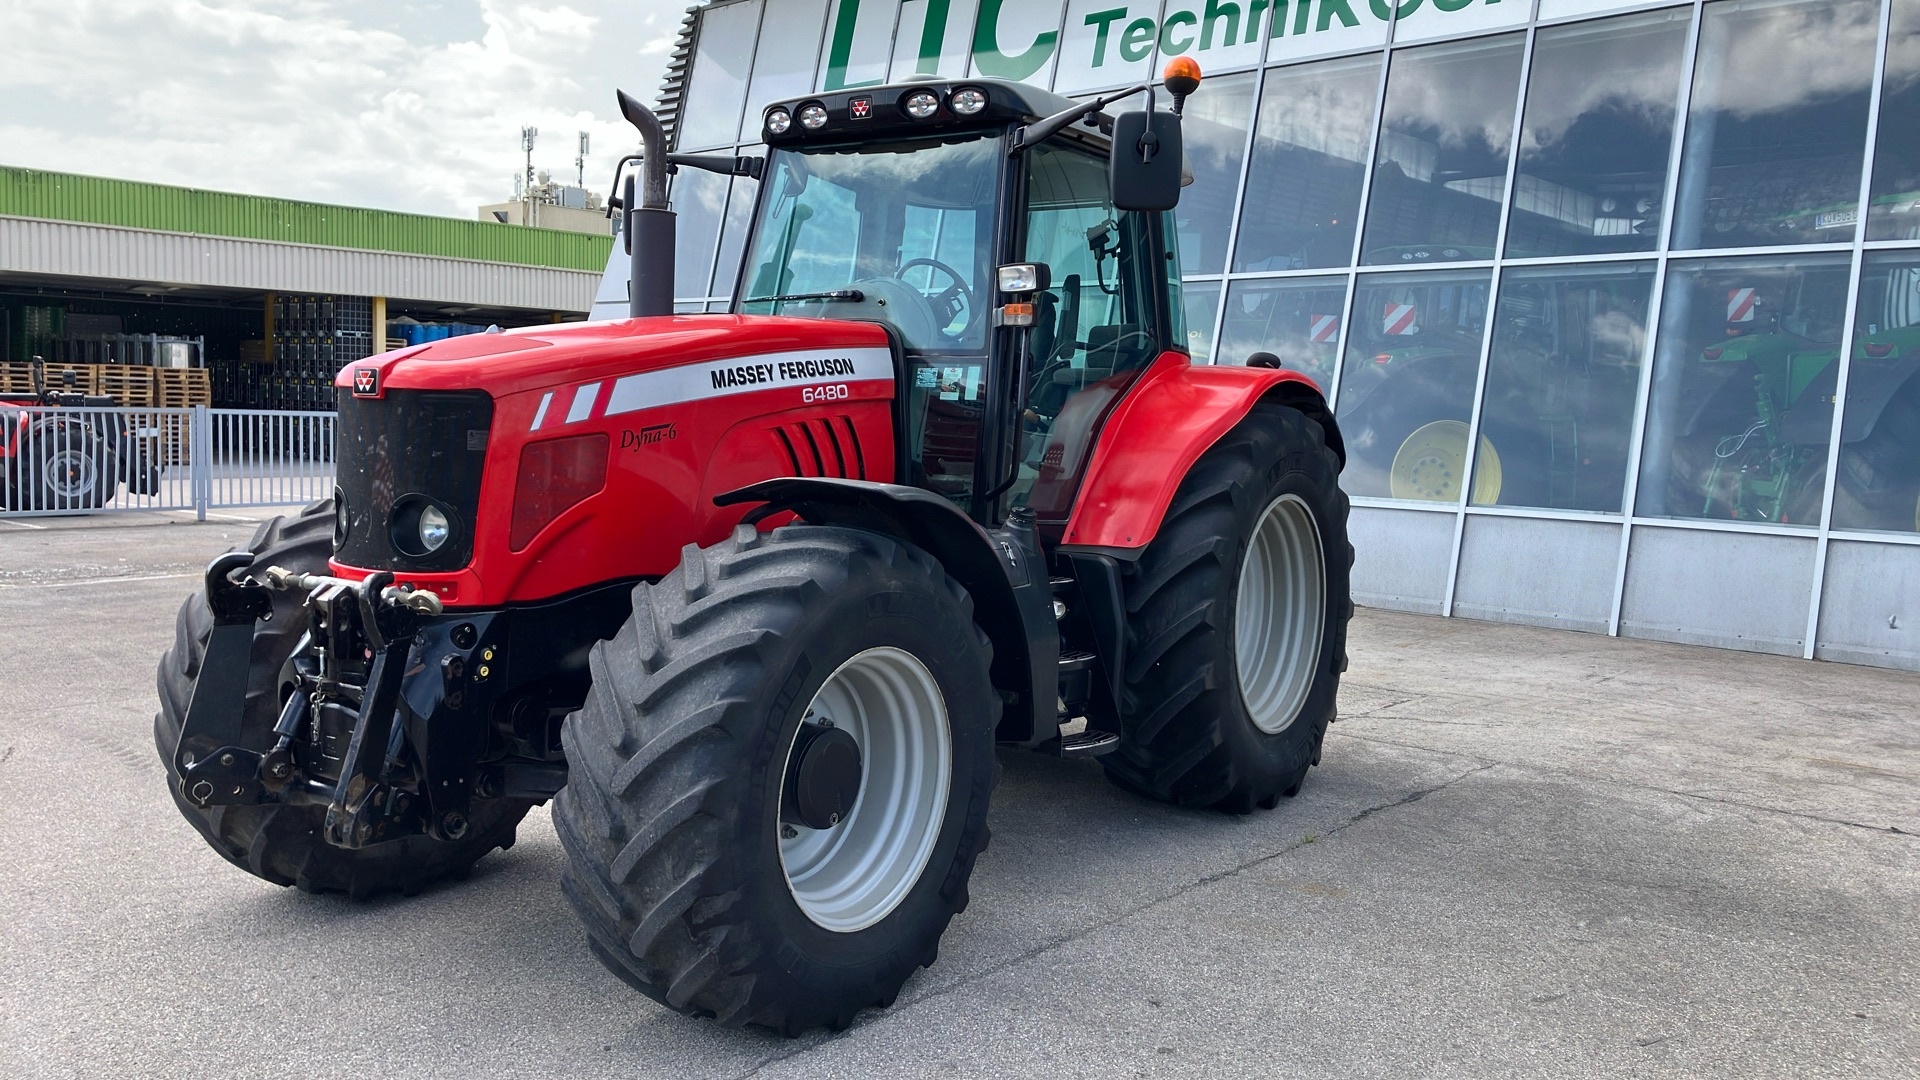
[22, 524]
[94, 581]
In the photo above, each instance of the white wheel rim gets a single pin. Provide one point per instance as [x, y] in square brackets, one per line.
[70, 473]
[853, 875]
[1280, 613]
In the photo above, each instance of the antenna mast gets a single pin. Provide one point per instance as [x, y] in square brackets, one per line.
[580, 163]
[527, 135]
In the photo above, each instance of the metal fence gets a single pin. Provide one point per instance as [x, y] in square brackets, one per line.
[56, 460]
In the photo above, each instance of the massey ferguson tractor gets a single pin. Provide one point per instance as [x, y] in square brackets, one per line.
[753, 596]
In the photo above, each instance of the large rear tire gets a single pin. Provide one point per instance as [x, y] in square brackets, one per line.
[68, 467]
[1237, 622]
[281, 842]
[695, 883]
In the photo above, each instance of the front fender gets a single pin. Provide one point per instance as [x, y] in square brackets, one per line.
[1012, 597]
[1175, 413]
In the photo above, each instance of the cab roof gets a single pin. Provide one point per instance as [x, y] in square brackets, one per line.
[871, 112]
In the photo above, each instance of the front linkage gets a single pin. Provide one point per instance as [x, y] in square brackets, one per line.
[396, 714]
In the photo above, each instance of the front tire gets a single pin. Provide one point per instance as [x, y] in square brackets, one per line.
[282, 842]
[695, 883]
[1237, 622]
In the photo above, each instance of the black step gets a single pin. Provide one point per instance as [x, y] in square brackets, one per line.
[1076, 660]
[1089, 743]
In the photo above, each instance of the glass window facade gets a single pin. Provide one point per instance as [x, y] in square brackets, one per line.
[1776, 130]
[1649, 265]
[1598, 131]
[1309, 155]
[1297, 320]
[1440, 171]
[1877, 481]
[1215, 133]
[1407, 382]
[1743, 385]
[1556, 418]
[1894, 210]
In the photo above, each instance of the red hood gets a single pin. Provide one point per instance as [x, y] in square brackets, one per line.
[533, 358]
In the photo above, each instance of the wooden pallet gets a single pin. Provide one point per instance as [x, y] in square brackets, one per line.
[16, 377]
[181, 388]
[131, 385]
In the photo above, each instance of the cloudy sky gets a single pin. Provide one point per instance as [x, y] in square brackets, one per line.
[390, 103]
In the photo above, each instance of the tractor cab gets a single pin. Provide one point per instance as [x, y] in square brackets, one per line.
[980, 222]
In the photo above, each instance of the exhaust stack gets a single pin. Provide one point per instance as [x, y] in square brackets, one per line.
[650, 223]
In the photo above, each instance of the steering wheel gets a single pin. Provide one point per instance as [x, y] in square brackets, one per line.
[947, 304]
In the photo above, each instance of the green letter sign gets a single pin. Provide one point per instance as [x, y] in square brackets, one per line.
[996, 64]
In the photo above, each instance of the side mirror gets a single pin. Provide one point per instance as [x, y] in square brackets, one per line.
[1143, 171]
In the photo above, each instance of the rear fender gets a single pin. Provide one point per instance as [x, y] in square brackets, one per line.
[1871, 387]
[1012, 597]
[1174, 414]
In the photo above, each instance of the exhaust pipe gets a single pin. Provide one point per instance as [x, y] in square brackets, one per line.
[649, 222]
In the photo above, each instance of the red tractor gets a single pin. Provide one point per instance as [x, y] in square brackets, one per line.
[753, 596]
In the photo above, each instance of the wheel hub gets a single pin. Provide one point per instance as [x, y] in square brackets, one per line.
[1280, 613]
[874, 748]
[70, 473]
[823, 779]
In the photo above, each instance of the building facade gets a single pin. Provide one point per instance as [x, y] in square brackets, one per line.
[1618, 303]
[267, 298]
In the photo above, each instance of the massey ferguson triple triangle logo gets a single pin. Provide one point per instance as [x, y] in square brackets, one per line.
[366, 382]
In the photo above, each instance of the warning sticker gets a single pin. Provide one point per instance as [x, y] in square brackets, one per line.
[1398, 319]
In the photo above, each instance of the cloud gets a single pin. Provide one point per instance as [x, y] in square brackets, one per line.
[1778, 59]
[407, 106]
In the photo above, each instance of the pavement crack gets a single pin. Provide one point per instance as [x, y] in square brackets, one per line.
[1653, 788]
[1057, 943]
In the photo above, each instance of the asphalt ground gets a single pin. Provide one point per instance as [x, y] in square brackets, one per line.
[1528, 853]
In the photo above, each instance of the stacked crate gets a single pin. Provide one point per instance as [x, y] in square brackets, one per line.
[313, 338]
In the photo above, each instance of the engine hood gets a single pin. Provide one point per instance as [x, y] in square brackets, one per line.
[531, 358]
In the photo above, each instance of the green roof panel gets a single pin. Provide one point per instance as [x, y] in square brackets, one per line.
[133, 204]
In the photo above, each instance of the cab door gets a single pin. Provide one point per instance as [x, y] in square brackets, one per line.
[1112, 307]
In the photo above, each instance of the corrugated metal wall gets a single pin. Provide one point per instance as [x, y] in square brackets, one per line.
[96, 200]
[68, 249]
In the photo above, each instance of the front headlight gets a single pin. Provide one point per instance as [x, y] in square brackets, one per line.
[434, 528]
[419, 527]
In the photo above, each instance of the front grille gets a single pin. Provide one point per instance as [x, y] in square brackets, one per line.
[410, 445]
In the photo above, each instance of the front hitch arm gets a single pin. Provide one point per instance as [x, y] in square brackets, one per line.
[212, 767]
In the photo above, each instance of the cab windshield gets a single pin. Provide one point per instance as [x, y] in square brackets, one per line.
[897, 233]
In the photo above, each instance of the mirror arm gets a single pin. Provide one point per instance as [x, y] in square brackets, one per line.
[1033, 134]
[724, 164]
[613, 198]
